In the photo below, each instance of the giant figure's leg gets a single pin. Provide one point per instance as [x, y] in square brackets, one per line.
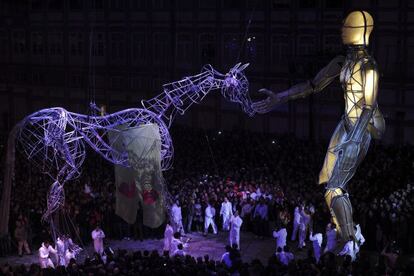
[336, 172]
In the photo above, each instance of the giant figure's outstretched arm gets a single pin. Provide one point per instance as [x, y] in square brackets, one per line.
[301, 90]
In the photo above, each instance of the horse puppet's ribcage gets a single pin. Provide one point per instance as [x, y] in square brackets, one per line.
[54, 138]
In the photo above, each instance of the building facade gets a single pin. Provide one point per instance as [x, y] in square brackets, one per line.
[117, 52]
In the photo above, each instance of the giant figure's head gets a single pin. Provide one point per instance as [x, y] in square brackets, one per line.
[357, 27]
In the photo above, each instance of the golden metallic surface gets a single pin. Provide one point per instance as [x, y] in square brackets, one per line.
[329, 195]
[359, 79]
[362, 119]
[355, 25]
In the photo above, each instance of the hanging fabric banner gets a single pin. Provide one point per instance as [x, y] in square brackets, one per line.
[143, 180]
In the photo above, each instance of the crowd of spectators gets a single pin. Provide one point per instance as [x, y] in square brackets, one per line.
[122, 262]
[242, 166]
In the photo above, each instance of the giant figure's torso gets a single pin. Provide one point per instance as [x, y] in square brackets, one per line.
[352, 81]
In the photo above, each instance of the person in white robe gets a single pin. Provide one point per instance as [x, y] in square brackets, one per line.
[44, 255]
[176, 240]
[69, 255]
[235, 225]
[280, 236]
[358, 235]
[98, 236]
[168, 236]
[209, 215]
[179, 251]
[226, 212]
[317, 244]
[177, 219]
[350, 249]
[303, 226]
[331, 238]
[296, 223]
[61, 250]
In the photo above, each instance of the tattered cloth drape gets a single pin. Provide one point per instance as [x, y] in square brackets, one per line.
[143, 181]
[7, 182]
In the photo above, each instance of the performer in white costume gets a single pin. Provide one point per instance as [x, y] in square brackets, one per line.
[226, 212]
[280, 237]
[350, 249]
[69, 255]
[176, 240]
[296, 223]
[98, 235]
[210, 213]
[303, 226]
[358, 235]
[235, 225]
[177, 219]
[61, 250]
[331, 238]
[168, 236]
[44, 255]
[317, 244]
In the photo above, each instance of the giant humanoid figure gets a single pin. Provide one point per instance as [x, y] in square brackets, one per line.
[362, 120]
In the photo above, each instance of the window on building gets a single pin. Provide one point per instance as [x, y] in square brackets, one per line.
[96, 4]
[77, 80]
[117, 46]
[208, 49]
[98, 45]
[37, 77]
[3, 45]
[231, 48]
[336, 4]
[390, 4]
[256, 5]
[160, 4]
[36, 5]
[307, 4]
[254, 48]
[138, 5]
[206, 5]
[117, 5]
[138, 48]
[280, 50]
[306, 45]
[184, 50]
[37, 44]
[160, 48]
[55, 5]
[280, 4]
[118, 82]
[332, 44]
[410, 60]
[76, 5]
[232, 4]
[55, 44]
[19, 43]
[185, 4]
[76, 44]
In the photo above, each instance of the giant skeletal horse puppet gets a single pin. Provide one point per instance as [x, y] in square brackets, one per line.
[55, 139]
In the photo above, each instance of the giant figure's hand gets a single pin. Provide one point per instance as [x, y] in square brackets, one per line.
[267, 104]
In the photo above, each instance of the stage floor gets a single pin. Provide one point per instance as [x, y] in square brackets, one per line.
[198, 246]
